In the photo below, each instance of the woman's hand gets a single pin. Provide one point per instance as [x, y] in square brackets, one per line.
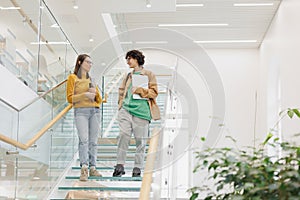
[92, 90]
[90, 95]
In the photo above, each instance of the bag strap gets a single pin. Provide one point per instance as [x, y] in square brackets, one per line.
[127, 77]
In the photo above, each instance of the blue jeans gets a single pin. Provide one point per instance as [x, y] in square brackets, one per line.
[87, 122]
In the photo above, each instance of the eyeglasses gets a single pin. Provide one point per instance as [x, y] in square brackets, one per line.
[89, 62]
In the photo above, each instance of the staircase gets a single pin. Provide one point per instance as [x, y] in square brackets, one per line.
[106, 187]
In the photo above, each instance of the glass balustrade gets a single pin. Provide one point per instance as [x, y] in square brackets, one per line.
[39, 55]
[32, 173]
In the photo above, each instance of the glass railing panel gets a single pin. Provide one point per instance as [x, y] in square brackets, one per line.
[8, 128]
[13, 37]
[31, 174]
[39, 53]
[111, 82]
[56, 56]
[64, 143]
[9, 121]
[40, 66]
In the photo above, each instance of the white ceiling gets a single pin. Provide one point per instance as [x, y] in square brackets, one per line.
[244, 23]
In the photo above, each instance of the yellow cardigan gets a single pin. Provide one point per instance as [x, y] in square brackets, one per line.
[76, 89]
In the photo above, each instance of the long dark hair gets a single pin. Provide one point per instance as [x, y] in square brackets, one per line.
[79, 61]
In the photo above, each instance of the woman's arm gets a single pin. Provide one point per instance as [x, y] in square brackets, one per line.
[71, 97]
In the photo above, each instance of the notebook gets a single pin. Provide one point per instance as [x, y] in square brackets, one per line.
[139, 81]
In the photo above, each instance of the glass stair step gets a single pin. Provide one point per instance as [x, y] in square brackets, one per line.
[110, 178]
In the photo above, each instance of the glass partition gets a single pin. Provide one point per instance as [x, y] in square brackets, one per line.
[30, 171]
[32, 45]
[37, 52]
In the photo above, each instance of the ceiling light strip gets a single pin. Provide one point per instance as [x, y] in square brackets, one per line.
[10, 8]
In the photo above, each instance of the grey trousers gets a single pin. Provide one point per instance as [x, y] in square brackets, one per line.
[129, 124]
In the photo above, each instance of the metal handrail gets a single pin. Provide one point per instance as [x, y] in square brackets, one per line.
[41, 96]
[34, 100]
[38, 135]
[45, 128]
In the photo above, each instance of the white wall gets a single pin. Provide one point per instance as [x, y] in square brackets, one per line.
[281, 49]
[238, 69]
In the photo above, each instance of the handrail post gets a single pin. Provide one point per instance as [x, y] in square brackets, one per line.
[148, 172]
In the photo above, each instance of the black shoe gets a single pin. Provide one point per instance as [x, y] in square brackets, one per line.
[136, 172]
[119, 170]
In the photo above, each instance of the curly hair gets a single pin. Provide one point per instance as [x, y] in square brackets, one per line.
[136, 54]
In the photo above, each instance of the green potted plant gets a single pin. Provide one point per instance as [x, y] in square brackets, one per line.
[251, 173]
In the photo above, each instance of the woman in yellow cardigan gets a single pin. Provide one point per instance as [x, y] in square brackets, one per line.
[86, 100]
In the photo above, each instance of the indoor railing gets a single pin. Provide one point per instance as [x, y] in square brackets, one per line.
[37, 143]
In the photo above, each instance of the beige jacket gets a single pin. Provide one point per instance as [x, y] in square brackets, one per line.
[150, 93]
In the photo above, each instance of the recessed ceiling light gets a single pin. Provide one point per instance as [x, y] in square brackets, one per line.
[186, 25]
[190, 5]
[148, 4]
[54, 25]
[253, 4]
[91, 39]
[225, 41]
[75, 4]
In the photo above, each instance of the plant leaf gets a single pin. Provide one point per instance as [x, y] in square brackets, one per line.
[194, 196]
[268, 138]
[297, 112]
[290, 113]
